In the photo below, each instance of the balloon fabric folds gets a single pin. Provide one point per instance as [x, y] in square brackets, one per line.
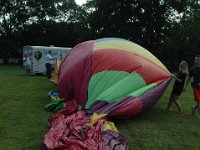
[112, 76]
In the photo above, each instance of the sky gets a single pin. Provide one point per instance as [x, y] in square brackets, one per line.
[80, 2]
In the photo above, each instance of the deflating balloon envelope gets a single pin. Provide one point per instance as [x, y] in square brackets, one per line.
[112, 76]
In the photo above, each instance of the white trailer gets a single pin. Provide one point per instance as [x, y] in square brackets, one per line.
[38, 56]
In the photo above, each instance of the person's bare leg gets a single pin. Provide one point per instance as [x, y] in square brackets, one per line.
[29, 72]
[198, 108]
[170, 102]
[176, 102]
[194, 109]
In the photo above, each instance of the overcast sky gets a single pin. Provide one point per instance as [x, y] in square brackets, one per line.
[80, 2]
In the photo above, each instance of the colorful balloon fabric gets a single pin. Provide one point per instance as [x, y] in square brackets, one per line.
[105, 77]
[112, 76]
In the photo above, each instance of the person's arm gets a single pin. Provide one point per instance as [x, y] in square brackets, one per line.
[178, 79]
[51, 57]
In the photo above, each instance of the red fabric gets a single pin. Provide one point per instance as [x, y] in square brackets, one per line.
[141, 103]
[71, 132]
[71, 107]
[121, 60]
[132, 108]
[75, 72]
[70, 146]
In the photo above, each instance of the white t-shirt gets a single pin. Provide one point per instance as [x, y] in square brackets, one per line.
[28, 61]
[49, 59]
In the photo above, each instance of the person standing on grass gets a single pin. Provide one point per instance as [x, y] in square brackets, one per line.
[24, 61]
[49, 64]
[178, 85]
[195, 74]
[28, 65]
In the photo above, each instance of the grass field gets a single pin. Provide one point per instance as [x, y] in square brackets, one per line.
[23, 121]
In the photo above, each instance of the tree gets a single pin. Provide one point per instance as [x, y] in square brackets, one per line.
[183, 41]
[145, 22]
[38, 22]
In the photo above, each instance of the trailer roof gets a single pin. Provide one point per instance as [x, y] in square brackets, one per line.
[46, 48]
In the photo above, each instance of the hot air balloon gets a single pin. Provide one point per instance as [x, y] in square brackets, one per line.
[106, 77]
[112, 76]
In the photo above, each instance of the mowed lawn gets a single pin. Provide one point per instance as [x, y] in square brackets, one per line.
[23, 120]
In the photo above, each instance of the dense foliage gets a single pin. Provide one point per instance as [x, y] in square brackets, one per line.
[168, 28]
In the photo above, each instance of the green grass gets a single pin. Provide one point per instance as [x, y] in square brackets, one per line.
[23, 121]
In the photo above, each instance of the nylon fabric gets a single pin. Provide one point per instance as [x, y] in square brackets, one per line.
[83, 76]
[127, 46]
[142, 90]
[114, 141]
[71, 132]
[74, 73]
[119, 60]
[141, 103]
[122, 84]
[110, 77]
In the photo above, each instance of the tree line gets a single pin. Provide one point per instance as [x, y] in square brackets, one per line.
[167, 28]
